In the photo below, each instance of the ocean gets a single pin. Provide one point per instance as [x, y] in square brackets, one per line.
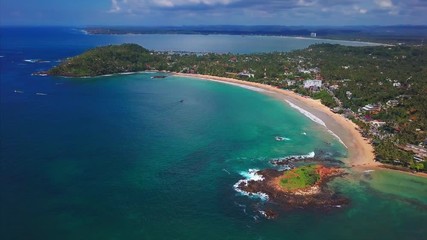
[131, 157]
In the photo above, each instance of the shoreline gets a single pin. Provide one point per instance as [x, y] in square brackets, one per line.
[344, 129]
[367, 43]
[360, 151]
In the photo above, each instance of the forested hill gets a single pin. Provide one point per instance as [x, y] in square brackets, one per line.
[106, 60]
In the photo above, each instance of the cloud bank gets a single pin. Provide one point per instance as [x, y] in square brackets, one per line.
[253, 11]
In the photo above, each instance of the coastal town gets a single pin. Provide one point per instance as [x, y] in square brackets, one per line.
[379, 88]
[302, 73]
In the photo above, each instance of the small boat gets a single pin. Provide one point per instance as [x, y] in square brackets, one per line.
[280, 138]
[18, 91]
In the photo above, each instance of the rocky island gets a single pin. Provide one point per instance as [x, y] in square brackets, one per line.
[301, 187]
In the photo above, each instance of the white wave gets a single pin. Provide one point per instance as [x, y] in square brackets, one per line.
[309, 155]
[31, 60]
[256, 89]
[307, 114]
[250, 175]
[264, 214]
[339, 139]
[293, 157]
[316, 120]
[127, 73]
[250, 87]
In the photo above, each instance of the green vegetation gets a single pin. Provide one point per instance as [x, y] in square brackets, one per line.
[325, 98]
[299, 178]
[391, 79]
[106, 60]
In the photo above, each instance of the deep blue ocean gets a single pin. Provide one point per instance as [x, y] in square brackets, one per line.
[121, 157]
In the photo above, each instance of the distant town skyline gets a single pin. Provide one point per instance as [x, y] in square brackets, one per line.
[213, 12]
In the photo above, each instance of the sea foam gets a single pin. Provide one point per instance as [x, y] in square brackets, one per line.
[250, 175]
[339, 139]
[256, 89]
[316, 120]
[299, 157]
[307, 114]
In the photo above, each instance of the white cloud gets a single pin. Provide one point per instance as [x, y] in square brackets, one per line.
[385, 4]
[177, 3]
[114, 6]
[363, 11]
[360, 10]
[256, 7]
[117, 5]
[305, 3]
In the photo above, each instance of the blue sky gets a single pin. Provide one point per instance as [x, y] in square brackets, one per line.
[213, 12]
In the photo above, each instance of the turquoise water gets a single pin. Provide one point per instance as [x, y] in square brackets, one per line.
[122, 158]
[125, 160]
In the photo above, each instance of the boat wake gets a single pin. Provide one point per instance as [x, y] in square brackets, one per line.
[279, 139]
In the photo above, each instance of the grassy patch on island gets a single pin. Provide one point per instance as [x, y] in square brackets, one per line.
[299, 178]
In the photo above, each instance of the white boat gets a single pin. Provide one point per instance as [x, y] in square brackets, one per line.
[280, 138]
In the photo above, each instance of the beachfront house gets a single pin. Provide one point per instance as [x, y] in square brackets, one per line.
[372, 108]
[246, 74]
[313, 84]
[392, 103]
[291, 82]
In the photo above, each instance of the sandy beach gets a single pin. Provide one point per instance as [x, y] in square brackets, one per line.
[360, 151]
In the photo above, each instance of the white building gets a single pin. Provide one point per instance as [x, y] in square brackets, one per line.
[291, 82]
[397, 84]
[312, 83]
[246, 73]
